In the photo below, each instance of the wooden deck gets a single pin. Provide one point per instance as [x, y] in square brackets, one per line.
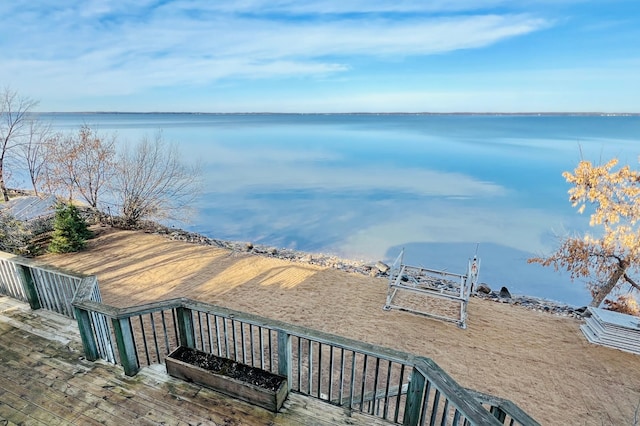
[45, 380]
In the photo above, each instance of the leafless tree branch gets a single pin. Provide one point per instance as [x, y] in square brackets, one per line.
[153, 183]
[14, 123]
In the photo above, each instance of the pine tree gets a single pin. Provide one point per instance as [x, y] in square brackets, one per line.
[70, 231]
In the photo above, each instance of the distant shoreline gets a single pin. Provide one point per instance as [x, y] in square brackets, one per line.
[487, 114]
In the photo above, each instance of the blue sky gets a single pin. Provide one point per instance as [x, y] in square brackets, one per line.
[323, 56]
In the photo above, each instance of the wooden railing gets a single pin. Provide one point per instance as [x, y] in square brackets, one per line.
[504, 410]
[41, 286]
[97, 340]
[46, 287]
[396, 386]
[12, 279]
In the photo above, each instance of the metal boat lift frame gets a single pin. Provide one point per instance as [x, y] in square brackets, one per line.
[452, 287]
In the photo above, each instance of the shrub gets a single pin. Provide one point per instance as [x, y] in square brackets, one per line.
[70, 231]
[23, 238]
[13, 235]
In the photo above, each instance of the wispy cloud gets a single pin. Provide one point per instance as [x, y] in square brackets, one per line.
[309, 170]
[101, 47]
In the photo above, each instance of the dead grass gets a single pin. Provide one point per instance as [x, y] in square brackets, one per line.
[538, 360]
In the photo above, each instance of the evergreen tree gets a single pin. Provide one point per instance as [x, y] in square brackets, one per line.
[70, 231]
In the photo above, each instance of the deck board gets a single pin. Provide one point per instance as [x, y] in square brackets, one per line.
[47, 381]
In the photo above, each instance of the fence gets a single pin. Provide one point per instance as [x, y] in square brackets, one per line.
[396, 386]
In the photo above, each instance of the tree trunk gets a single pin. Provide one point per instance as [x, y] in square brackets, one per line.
[3, 187]
[604, 290]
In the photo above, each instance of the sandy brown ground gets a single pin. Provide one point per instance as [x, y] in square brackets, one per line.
[540, 361]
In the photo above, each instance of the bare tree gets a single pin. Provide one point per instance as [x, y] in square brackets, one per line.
[153, 183]
[57, 173]
[38, 141]
[14, 122]
[82, 162]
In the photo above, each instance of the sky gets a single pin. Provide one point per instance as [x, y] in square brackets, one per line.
[323, 56]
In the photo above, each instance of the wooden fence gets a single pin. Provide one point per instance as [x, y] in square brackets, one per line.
[399, 387]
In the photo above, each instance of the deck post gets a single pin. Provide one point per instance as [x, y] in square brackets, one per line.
[415, 395]
[284, 357]
[86, 334]
[29, 286]
[498, 413]
[126, 345]
[185, 327]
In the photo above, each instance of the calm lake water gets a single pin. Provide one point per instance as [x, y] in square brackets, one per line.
[365, 186]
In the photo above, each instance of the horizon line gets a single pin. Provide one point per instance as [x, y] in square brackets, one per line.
[575, 113]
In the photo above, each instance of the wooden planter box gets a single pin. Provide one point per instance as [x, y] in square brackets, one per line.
[241, 381]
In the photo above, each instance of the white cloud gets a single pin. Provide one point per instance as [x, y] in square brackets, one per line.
[323, 7]
[105, 49]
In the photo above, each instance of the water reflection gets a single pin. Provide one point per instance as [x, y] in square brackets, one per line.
[364, 186]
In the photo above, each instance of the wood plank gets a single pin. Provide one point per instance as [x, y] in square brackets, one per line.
[50, 372]
[302, 409]
[61, 401]
[84, 399]
[58, 409]
[202, 401]
[28, 408]
[32, 359]
[156, 398]
[17, 417]
[126, 400]
[72, 390]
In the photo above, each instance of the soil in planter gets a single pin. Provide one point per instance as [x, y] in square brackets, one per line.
[229, 368]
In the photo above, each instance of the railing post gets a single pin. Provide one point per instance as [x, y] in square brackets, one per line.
[126, 346]
[86, 334]
[415, 394]
[284, 357]
[498, 413]
[29, 286]
[185, 327]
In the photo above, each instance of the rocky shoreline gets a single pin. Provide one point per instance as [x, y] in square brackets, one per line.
[377, 269]
[373, 269]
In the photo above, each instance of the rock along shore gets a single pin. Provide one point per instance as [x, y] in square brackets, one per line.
[373, 269]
